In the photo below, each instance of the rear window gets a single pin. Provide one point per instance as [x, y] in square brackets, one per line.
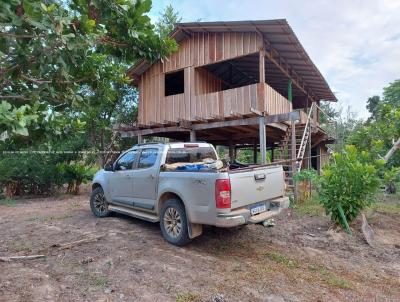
[190, 155]
[147, 158]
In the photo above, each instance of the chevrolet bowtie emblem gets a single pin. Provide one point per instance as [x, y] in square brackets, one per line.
[260, 188]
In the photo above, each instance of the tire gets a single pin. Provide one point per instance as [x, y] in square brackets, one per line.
[173, 222]
[98, 203]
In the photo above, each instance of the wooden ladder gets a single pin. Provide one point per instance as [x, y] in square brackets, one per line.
[284, 150]
[304, 140]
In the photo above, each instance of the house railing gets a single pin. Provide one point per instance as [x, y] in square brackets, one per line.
[230, 103]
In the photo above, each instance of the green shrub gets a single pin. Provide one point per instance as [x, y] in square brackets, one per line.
[348, 182]
[27, 174]
[74, 174]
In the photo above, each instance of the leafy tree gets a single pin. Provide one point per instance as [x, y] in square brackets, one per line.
[167, 21]
[57, 53]
[391, 94]
[373, 106]
[383, 128]
[63, 83]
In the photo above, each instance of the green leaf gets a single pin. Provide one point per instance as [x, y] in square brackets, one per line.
[21, 131]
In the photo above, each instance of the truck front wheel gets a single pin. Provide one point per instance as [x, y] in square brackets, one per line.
[173, 222]
[98, 203]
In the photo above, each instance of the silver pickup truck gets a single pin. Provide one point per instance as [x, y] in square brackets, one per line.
[176, 185]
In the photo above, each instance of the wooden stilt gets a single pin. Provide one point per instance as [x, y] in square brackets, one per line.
[231, 152]
[255, 152]
[263, 140]
[139, 139]
[262, 66]
[293, 156]
[192, 136]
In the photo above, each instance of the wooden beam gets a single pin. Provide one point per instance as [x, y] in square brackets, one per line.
[132, 133]
[270, 119]
[283, 65]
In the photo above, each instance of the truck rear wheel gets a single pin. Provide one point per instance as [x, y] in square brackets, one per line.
[173, 222]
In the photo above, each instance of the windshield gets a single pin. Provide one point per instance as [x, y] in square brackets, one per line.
[190, 155]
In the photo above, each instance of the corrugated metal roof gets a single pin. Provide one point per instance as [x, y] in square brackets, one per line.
[277, 35]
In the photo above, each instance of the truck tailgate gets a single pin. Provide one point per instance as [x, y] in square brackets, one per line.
[252, 185]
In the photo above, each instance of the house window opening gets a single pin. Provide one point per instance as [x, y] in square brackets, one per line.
[174, 83]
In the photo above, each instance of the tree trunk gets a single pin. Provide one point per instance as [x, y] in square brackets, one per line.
[390, 153]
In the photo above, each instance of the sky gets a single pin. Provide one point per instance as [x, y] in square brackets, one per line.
[354, 43]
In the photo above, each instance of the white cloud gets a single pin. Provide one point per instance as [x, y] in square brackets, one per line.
[355, 44]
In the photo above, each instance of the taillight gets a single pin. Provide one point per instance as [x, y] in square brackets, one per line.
[223, 193]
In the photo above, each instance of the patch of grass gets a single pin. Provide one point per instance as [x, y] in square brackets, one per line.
[49, 218]
[338, 282]
[282, 259]
[329, 278]
[320, 269]
[186, 297]
[8, 202]
[33, 219]
[100, 281]
[75, 205]
[309, 207]
[20, 246]
[386, 208]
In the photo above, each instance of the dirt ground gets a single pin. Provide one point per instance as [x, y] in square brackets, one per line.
[301, 258]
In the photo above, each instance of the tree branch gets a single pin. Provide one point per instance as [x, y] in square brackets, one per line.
[40, 81]
[21, 36]
[108, 40]
[21, 97]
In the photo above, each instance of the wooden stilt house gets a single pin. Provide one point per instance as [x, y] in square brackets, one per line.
[242, 84]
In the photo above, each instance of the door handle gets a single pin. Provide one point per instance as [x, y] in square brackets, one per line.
[151, 176]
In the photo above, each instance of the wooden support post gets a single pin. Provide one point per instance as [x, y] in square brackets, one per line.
[231, 152]
[293, 157]
[309, 148]
[192, 136]
[263, 140]
[139, 139]
[255, 152]
[319, 159]
[315, 116]
[262, 66]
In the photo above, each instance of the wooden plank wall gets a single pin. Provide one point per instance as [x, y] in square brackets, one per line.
[206, 48]
[202, 99]
[275, 103]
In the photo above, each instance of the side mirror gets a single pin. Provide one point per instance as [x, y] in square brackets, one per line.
[109, 167]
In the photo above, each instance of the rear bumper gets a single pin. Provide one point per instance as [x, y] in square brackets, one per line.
[242, 215]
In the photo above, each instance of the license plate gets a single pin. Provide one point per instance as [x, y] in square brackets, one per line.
[258, 209]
